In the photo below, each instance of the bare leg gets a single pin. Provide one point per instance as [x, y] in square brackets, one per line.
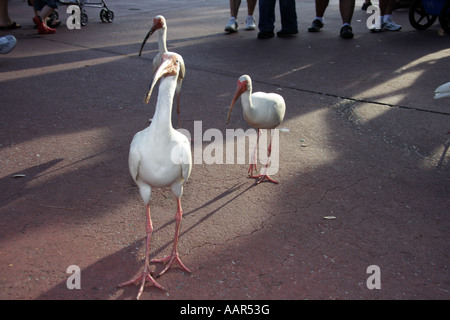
[346, 8]
[173, 257]
[234, 7]
[145, 275]
[251, 5]
[321, 6]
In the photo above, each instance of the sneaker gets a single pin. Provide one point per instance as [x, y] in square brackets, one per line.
[250, 23]
[232, 26]
[7, 43]
[390, 26]
[316, 26]
[375, 29]
[366, 5]
[346, 32]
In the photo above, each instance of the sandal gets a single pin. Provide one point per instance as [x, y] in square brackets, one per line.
[12, 26]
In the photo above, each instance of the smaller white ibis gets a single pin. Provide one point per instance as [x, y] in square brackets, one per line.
[160, 27]
[442, 91]
[261, 111]
[161, 157]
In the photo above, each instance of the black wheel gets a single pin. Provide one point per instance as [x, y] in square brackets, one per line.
[104, 15]
[110, 16]
[444, 17]
[418, 16]
[84, 18]
[54, 15]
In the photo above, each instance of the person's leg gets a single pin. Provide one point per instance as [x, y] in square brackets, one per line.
[5, 20]
[289, 25]
[232, 25]
[346, 8]
[251, 5]
[234, 8]
[266, 18]
[321, 6]
[250, 21]
[317, 24]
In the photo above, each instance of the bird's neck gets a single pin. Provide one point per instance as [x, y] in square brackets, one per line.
[162, 119]
[162, 37]
[246, 101]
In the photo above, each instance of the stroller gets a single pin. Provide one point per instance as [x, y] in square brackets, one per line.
[423, 13]
[106, 15]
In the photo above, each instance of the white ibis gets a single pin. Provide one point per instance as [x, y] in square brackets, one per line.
[160, 26]
[261, 111]
[160, 157]
[442, 91]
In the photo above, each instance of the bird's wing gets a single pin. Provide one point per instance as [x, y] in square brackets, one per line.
[134, 159]
[182, 155]
[186, 165]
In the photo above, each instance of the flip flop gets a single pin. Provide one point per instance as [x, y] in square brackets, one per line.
[12, 26]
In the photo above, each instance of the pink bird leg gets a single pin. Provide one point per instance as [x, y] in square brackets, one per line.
[264, 176]
[173, 257]
[145, 275]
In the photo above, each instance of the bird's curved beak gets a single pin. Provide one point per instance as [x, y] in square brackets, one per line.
[145, 40]
[442, 91]
[169, 67]
[156, 26]
[241, 88]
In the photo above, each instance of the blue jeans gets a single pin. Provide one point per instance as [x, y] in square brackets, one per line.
[39, 4]
[267, 16]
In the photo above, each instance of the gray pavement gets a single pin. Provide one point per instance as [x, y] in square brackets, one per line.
[363, 142]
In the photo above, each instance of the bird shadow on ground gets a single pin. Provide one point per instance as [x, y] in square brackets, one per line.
[100, 280]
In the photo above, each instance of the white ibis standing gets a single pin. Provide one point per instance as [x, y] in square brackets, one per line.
[261, 111]
[442, 91]
[160, 156]
[160, 26]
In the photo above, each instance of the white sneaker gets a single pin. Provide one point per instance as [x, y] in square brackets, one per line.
[250, 23]
[232, 26]
[390, 26]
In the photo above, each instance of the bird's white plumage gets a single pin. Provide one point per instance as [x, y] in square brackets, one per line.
[442, 91]
[261, 110]
[155, 152]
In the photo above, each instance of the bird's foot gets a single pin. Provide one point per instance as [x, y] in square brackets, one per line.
[169, 260]
[263, 177]
[251, 168]
[143, 278]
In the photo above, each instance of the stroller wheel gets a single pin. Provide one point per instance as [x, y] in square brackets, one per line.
[444, 17]
[103, 15]
[106, 15]
[418, 16]
[84, 18]
[110, 16]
